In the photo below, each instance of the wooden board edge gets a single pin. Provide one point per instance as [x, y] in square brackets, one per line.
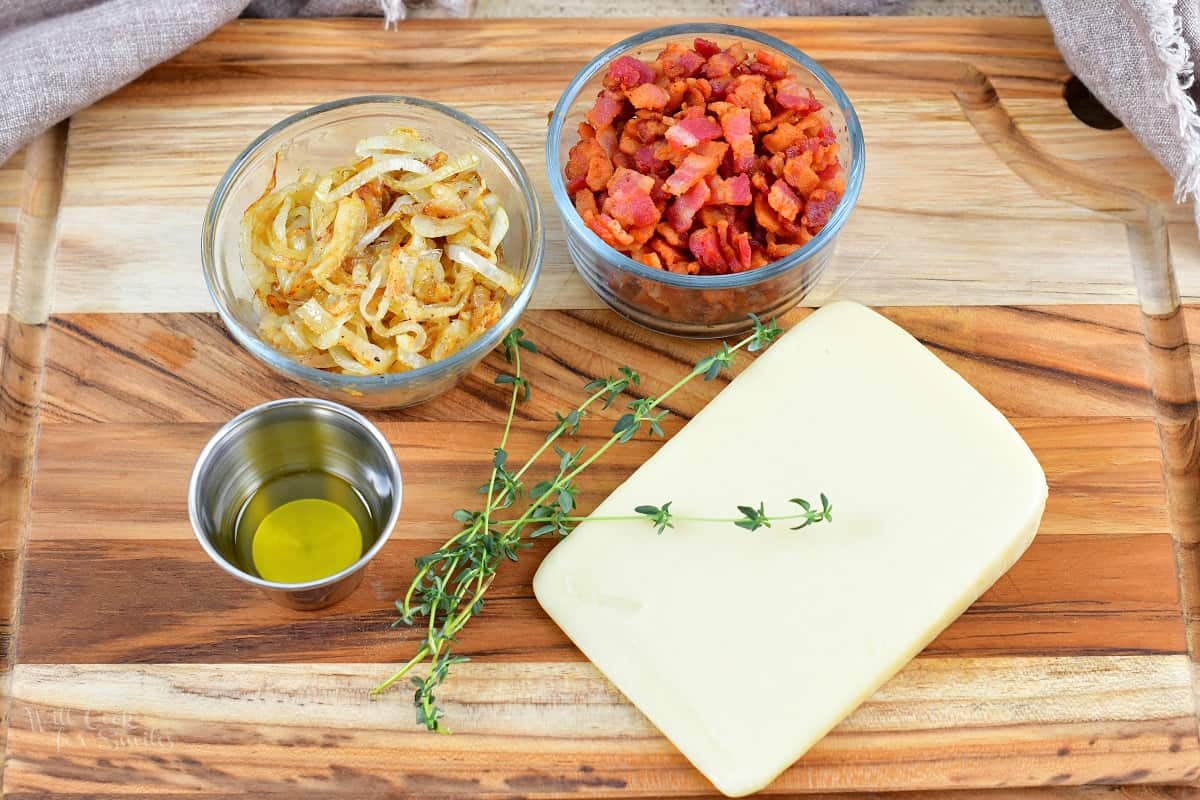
[21, 374]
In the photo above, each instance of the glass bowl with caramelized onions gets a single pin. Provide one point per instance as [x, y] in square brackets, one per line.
[373, 249]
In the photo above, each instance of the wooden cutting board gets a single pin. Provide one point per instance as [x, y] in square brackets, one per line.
[137, 667]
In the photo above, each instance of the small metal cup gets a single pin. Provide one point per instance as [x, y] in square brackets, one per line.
[281, 437]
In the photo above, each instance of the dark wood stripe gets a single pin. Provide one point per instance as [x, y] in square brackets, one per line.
[184, 368]
[163, 601]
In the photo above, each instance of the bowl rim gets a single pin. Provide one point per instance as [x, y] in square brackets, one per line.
[231, 427]
[571, 218]
[470, 354]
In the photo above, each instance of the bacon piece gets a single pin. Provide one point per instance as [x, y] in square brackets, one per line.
[784, 200]
[688, 133]
[789, 94]
[697, 94]
[766, 217]
[682, 212]
[783, 137]
[650, 259]
[733, 191]
[647, 163]
[748, 91]
[800, 175]
[745, 255]
[706, 48]
[585, 203]
[609, 230]
[607, 139]
[646, 126]
[669, 254]
[670, 235]
[678, 61]
[772, 65]
[676, 89]
[778, 250]
[648, 95]
[642, 234]
[736, 127]
[719, 65]
[608, 107]
[694, 168]
[818, 209]
[626, 72]
[629, 201]
[706, 247]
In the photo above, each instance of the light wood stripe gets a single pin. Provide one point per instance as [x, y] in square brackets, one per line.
[939, 724]
[120, 481]
[942, 219]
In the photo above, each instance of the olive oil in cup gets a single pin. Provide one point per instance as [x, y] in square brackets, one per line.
[296, 497]
[301, 527]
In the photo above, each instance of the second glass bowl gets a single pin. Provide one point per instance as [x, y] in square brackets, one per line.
[699, 305]
[320, 138]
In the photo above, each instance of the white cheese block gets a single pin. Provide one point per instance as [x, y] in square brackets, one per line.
[745, 648]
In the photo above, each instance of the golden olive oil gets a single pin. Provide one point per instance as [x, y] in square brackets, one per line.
[302, 526]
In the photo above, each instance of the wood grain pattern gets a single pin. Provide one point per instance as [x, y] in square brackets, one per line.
[1042, 361]
[146, 670]
[274, 728]
[924, 233]
[161, 601]
[22, 353]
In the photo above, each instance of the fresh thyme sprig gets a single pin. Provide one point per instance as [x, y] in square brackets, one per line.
[451, 583]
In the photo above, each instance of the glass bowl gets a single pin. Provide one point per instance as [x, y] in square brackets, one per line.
[320, 138]
[699, 305]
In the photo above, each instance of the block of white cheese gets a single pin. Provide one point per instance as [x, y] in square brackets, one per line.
[745, 648]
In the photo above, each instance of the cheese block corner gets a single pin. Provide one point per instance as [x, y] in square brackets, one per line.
[935, 496]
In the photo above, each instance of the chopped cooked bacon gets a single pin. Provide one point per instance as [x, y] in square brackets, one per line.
[766, 217]
[706, 247]
[606, 137]
[707, 161]
[609, 230]
[694, 168]
[642, 234]
[784, 200]
[629, 200]
[800, 175]
[670, 235]
[607, 108]
[585, 203]
[646, 127]
[733, 191]
[772, 65]
[681, 212]
[749, 91]
[667, 252]
[679, 61]
[648, 95]
[688, 133]
[735, 125]
[745, 256]
[719, 65]
[647, 163]
[706, 48]
[789, 94]
[649, 258]
[783, 137]
[818, 209]
[697, 94]
[627, 72]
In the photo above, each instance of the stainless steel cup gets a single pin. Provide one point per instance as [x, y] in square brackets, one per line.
[281, 437]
